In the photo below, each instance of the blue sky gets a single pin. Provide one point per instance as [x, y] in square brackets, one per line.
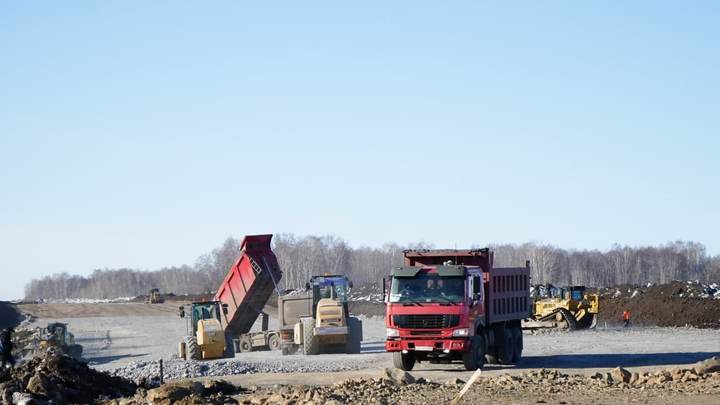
[141, 134]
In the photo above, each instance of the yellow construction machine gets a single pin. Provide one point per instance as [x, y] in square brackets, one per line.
[154, 297]
[565, 308]
[206, 338]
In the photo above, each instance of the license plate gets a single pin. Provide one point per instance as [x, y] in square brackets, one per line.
[424, 348]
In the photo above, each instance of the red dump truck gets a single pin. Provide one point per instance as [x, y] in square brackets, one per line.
[453, 305]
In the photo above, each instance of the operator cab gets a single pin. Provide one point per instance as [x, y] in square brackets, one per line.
[330, 286]
[203, 311]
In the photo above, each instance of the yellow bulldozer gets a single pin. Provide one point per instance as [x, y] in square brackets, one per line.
[565, 308]
[154, 297]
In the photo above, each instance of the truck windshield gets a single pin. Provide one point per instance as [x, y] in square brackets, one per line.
[427, 288]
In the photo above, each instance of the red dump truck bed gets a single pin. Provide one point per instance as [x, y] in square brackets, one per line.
[249, 284]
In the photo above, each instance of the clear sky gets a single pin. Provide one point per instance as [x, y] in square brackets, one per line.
[141, 134]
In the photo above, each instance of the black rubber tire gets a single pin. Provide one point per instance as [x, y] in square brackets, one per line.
[355, 335]
[310, 344]
[518, 342]
[245, 345]
[474, 358]
[74, 351]
[404, 361]
[274, 342]
[192, 349]
[506, 347]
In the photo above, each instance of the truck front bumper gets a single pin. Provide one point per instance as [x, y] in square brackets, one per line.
[331, 331]
[426, 345]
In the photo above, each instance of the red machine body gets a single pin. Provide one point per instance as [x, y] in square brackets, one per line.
[249, 284]
[469, 301]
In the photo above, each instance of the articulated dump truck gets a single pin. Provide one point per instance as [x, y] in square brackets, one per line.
[312, 321]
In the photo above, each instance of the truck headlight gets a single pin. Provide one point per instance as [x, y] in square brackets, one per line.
[461, 332]
[392, 332]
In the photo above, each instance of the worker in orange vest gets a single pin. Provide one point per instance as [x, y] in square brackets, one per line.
[626, 318]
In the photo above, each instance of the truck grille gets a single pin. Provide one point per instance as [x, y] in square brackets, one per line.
[426, 321]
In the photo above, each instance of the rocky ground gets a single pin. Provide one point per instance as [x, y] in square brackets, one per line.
[697, 384]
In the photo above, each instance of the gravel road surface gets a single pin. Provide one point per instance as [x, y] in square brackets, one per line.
[130, 345]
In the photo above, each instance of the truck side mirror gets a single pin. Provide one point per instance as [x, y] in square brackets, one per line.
[182, 312]
[225, 308]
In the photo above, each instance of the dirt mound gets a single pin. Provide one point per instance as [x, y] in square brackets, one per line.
[9, 315]
[58, 378]
[672, 304]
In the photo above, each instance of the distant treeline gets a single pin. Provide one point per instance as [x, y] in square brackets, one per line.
[302, 257]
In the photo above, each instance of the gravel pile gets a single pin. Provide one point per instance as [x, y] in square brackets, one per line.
[147, 372]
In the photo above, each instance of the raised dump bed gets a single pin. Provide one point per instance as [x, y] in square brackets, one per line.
[249, 284]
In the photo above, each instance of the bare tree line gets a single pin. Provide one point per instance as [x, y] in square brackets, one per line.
[302, 257]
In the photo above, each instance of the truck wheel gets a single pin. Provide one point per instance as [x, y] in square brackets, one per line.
[355, 335]
[193, 348]
[506, 349]
[274, 342]
[245, 345]
[474, 358]
[310, 344]
[403, 361]
[518, 342]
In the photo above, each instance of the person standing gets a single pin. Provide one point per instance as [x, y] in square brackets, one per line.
[6, 347]
[626, 318]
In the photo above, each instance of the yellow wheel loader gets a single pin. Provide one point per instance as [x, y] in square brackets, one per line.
[565, 308]
[206, 337]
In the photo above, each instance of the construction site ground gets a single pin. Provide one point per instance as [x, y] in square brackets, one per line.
[115, 335]
[128, 339]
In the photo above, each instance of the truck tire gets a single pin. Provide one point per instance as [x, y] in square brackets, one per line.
[245, 345]
[274, 342]
[355, 335]
[518, 342]
[474, 358]
[404, 361]
[506, 348]
[310, 344]
[193, 350]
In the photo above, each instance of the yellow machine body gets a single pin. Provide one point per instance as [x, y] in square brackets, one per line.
[211, 338]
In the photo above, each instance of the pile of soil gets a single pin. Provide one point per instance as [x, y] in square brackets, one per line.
[9, 315]
[61, 379]
[674, 304]
[653, 310]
